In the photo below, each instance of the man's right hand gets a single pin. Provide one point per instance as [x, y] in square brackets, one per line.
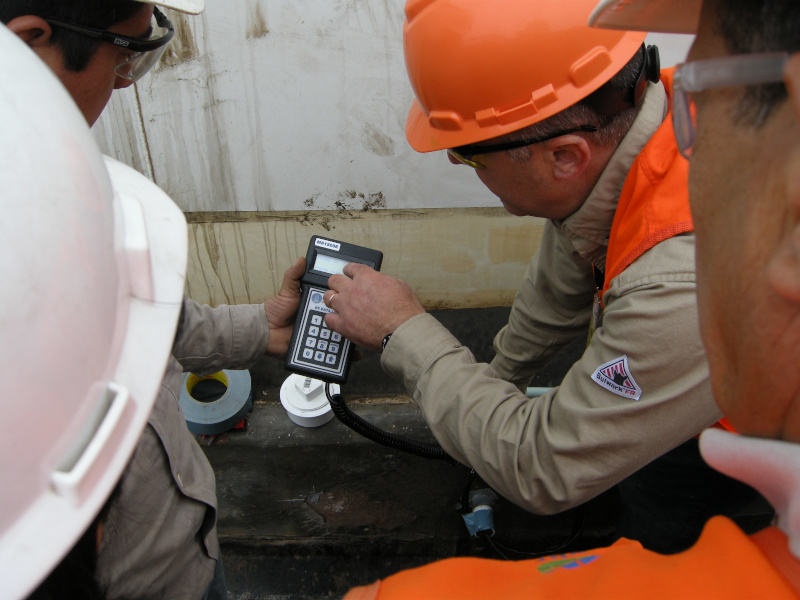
[368, 305]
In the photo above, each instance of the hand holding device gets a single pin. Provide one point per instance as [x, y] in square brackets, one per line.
[281, 310]
[316, 350]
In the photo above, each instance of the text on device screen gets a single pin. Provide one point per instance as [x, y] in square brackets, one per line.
[329, 264]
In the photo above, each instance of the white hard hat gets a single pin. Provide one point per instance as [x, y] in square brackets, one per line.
[192, 7]
[667, 16]
[92, 264]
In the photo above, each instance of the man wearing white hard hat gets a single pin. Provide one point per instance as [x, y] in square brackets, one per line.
[159, 529]
[95, 46]
[737, 120]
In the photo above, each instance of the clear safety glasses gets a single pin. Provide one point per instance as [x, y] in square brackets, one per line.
[742, 69]
[145, 52]
[464, 154]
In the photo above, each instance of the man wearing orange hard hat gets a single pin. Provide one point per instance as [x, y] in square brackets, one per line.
[739, 122]
[568, 123]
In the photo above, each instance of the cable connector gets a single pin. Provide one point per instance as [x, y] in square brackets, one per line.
[481, 519]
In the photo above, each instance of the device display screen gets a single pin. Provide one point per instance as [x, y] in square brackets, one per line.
[329, 264]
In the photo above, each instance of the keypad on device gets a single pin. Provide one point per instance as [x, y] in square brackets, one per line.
[321, 345]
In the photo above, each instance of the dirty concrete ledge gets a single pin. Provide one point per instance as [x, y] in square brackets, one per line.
[310, 513]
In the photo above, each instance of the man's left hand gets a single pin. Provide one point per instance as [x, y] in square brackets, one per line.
[281, 310]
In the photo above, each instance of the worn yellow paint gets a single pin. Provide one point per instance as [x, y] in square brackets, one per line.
[457, 263]
[452, 258]
[510, 242]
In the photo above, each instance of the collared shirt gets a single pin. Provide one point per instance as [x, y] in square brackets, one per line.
[159, 536]
[574, 442]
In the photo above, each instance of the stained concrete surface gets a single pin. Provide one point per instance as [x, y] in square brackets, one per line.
[306, 514]
[310, 513]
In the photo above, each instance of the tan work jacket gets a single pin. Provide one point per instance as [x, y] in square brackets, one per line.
[554, 452]
[159, 537]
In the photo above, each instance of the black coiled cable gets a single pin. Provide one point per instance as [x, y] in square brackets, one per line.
[379, 436]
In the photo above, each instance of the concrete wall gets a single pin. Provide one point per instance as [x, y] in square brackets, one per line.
[268, 121]
[453, 258]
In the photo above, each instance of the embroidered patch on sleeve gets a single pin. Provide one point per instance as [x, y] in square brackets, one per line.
[616, 377]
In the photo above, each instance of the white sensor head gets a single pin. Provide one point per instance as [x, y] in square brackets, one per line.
[305, 401]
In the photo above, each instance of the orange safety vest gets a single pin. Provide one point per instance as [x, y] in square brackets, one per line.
[654, 203]
[723, 564]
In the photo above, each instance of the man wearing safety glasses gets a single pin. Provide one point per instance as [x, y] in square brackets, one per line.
[144, 51]
[741, 128]
[110, 48]
[570, 124]
[157, 537]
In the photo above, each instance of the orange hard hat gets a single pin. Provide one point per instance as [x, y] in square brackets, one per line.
[481, 69]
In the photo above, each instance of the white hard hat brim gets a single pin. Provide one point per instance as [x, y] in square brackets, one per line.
[191, 7]
[94, 262]
[665, 16]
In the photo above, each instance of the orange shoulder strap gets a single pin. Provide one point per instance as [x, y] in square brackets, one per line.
[654, 202]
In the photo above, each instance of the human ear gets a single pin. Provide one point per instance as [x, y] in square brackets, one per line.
[568, 155]
[791, 77]
[784, 266]
[31, 29]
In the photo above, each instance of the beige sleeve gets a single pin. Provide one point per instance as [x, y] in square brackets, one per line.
[552, 308]
[225, 337]
[557, 451]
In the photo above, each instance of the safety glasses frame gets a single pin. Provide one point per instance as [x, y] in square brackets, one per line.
[465, 154]
[724, 71]
[127, 69]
